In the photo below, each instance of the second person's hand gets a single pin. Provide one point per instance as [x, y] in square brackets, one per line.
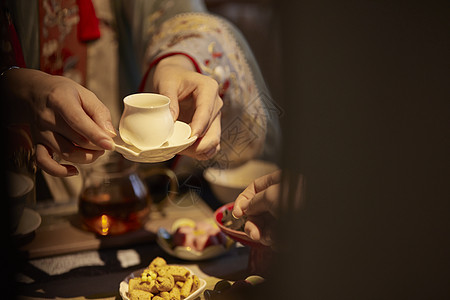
[259, 203]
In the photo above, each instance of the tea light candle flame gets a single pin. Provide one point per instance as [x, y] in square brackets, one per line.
[105, 224]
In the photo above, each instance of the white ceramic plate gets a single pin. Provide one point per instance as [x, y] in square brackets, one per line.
[187, 253]
[180, 140]
[29, 222]
[123, 288]
[227, 184]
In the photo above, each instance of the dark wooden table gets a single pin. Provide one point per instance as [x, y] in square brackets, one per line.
[63, 261]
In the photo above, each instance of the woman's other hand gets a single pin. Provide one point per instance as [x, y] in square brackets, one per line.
[194, 99]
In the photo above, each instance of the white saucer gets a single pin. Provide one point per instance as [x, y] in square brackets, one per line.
[180, 140]
[29, 222]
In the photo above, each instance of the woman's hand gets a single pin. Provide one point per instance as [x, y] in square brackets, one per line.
[68, 121]
[259, 203]
[194, 99]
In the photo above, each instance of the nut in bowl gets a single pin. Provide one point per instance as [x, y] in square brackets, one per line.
[190, 240]
[221, 215]
[161, 281]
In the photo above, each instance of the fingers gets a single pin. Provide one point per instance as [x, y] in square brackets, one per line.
[208, 106]
[100, 114]
[208, 145]
[204, 90]
[46, 162]
[67, 150]
[194, 99]
[168, 89]
[259, 196]
[261, 229]
[50, 143]
[264, 201]
[91, 120]
[258, 202]
[62, 128]
[243, 200]
[267, 180]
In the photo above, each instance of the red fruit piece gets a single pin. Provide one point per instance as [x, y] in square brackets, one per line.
[184, 236]
[204, 240]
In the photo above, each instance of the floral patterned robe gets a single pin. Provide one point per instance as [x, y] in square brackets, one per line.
[135, 34]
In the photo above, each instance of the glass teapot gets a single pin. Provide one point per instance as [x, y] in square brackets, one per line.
[114, 198]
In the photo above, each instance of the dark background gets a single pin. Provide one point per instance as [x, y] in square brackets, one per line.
[367, 122]
[259, 23]
[365, 90]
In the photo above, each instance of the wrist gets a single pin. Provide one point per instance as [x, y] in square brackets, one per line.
[177, 60]
[23, 84]
[8, 69]
[170, 64]
[16, 84]
[173, 59]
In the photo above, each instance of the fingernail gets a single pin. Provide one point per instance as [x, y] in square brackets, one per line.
[211, 152]
[113, 133]
[107, 144]
[233, 215]
[110, 128]
[72, 171]
[174, 114]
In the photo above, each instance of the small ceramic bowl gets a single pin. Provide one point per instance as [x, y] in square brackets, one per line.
[18, 187]
[237, 235]
[227, 184]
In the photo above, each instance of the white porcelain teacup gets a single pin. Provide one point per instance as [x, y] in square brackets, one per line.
[146, 121]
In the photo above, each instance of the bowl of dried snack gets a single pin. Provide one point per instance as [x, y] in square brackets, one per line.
[231, 226]
[161, 281]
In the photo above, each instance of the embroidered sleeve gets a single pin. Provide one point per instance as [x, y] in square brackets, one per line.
[249, 116]
[250, 125]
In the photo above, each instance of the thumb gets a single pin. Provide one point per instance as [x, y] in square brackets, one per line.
[173, 106]
[98, 111]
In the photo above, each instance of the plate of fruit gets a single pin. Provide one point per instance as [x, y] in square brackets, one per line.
[191, 240]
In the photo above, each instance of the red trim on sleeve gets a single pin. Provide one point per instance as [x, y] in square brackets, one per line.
[157, 60]
[88, 27]
[19, 59]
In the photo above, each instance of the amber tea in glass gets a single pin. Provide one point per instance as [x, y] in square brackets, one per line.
[114, 199]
